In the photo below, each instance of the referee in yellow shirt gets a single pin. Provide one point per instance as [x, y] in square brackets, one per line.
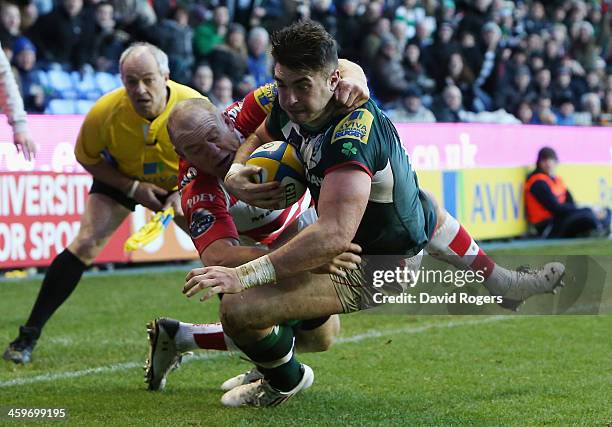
[124, 144]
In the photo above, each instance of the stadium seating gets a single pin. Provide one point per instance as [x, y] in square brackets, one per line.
[86, 85]
[84, 105]
[107, 82]
[61, 106]
[75, 92]
[61, 85]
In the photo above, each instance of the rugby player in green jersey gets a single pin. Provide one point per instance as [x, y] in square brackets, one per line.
[365, 191]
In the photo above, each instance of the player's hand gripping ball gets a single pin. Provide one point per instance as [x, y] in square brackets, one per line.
[280, 161]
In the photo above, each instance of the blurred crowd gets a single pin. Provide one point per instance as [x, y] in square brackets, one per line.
[538, 62]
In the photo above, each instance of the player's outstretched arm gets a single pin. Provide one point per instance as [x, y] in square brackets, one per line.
[343, 200]
[228, 253]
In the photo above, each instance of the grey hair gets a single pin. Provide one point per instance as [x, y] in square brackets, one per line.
[259, 31]
[590, 96]
[160, 56]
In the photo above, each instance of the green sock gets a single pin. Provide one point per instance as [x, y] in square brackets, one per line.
[275, 359]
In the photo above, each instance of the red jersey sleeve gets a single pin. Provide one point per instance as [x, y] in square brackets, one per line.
[205, 205]
[255, 107]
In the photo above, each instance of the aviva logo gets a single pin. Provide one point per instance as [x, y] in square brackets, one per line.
[488, 202]
[355, 126]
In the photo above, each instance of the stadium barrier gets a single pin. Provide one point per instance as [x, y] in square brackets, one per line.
[476, 171]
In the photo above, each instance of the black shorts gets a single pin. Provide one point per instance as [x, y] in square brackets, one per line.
[118, 196]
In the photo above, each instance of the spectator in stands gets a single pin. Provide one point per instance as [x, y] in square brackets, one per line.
[450, 106]
[242, 12]
[565, 45]
[510, 96]
[518, 60]
[542, 82]
[411, 109]
[230, 58]
[387, 77]
[210, 34]
[565, 115]
[543, 113]
[475, 14]
[399, 29]
[10, 24]
[584, 48]
[536, 63]
[324, 12]
[137, 18]
[563, 89]
[275, 14]
[470, 51]
[373, 40]
[259, 61]
[223, 91]
[12, 106]
[66, 35]
[202, 80]
[524, 113]
[460, 75]
[29, 15]
[552, 55]
[550, 207]
[109, 42]
[409, 12]
[439, 52]
[422, 35]
[511, 32]
[446, 11]
[536, 20]
[559, 34]
[174, 36]
[349, 29]
[414, 69]
[591, 107]
[372, 13]
[593, 83]
[32, 92]
[486, 80]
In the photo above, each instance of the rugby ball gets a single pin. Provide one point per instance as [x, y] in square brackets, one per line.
[280, 161]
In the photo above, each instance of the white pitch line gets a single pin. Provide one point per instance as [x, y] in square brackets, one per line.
[99, 370]
[418, 329]
[200, 356]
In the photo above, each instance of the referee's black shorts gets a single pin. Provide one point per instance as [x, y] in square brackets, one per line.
[118, 196]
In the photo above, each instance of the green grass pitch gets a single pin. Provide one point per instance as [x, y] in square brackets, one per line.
[386, 369]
